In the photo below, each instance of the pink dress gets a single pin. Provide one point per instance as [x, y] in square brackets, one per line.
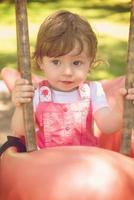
[60, 124]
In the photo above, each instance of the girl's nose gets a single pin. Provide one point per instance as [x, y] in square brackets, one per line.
[67, 70]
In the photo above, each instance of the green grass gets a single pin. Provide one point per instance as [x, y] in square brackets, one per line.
[110, 19]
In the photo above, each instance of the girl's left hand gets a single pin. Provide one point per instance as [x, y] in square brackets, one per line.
[128, 94]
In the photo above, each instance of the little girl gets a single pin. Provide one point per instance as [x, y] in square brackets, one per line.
[65, 104]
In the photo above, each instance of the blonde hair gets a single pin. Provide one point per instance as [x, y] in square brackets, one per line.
[59, 33]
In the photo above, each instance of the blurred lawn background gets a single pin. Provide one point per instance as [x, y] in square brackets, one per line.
[109, 19]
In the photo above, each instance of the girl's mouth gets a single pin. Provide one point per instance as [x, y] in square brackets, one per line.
[67, 82]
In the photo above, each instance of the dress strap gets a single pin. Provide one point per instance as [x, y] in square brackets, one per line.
[84, 91]
[45, 94]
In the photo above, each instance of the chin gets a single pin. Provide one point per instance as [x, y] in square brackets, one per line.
[66, 89]
[70, 90]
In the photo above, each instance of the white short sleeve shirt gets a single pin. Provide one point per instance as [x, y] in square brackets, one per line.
[98, 97]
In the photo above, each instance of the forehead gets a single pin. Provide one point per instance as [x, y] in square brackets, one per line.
[77, 51]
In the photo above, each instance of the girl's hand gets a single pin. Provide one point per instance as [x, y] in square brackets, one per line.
[22, 93]
[128, 94]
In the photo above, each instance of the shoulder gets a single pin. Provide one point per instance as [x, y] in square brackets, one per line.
[98, 96]
[96, 91]
[42, 89]
[39, 86]
[95, 86]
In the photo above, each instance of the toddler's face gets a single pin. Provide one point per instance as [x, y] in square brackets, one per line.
[66, 73]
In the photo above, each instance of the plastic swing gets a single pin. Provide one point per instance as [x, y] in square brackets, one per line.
[70, 173]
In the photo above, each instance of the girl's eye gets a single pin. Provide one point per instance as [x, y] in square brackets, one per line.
[77, 62]
[56, 62]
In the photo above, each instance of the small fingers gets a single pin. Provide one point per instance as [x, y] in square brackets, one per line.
[23, 92]
[123, 91]
[26, 94]
[22, 100]
[131, 91]
[24, 88]
[130, 94]
[21, 81]
[23, 85]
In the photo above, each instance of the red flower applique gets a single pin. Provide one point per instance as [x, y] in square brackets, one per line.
[45, 92]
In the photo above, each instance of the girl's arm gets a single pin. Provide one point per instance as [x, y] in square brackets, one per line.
[17, 122]
[110, 119]
[22, 93]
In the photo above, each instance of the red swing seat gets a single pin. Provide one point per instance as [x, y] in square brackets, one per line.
[65, 173]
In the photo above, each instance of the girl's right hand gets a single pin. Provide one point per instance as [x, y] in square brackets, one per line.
[23, 92]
